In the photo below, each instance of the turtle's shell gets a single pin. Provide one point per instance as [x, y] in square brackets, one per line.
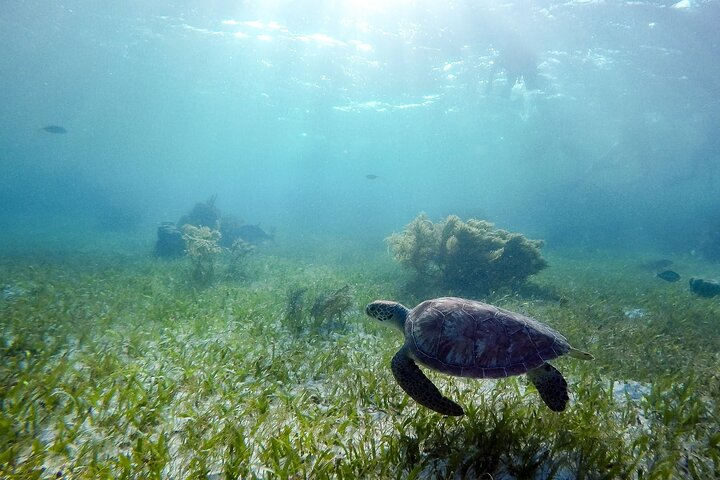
[473, 339]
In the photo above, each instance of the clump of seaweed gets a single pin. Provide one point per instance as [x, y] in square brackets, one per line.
[294, 306]
[466, 257]
[329, 308]
[201, 246]
[170, 242]
[328, 311]
[239, 251]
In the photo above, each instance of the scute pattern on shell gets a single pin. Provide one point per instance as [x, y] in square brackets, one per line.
[473, 339]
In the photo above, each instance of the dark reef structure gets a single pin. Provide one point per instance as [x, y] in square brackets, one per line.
[705, 288]
[170, 243]
[234, 235]
[204, 214]
[471, 257]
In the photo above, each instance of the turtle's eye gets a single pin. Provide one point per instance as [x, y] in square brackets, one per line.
[372, 311]
[377, 312]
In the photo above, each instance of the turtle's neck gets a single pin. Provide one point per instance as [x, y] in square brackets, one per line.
[400, 313]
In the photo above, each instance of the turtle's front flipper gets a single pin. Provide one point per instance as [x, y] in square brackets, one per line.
[551, 386]
[419, 387]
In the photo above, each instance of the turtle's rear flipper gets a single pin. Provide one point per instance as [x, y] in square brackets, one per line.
[551, 386]
[419, 387]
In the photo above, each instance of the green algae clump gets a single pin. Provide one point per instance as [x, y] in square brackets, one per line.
[466, 257]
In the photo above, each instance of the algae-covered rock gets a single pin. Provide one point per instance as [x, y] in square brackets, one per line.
[470, 256]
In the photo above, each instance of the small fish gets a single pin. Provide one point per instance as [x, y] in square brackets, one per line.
[54, 129]
[370, 176]
[669, 276]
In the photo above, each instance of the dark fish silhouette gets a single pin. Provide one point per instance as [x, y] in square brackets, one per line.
[54, 129]
[371, 176]
[669, 276]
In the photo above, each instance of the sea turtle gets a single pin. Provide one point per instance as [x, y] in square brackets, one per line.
[473, 339]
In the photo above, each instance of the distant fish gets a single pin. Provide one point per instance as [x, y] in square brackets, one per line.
[669, 276]
[656, 265]
[54, 129]
[370, 176]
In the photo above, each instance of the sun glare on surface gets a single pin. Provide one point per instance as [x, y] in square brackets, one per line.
[374, 6]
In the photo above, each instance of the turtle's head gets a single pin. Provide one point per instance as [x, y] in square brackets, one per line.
[385, 311]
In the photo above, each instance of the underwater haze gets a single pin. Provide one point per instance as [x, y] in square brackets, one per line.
[201, 204]
[579, 122]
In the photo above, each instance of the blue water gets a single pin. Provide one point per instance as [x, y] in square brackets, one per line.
[583, 123]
